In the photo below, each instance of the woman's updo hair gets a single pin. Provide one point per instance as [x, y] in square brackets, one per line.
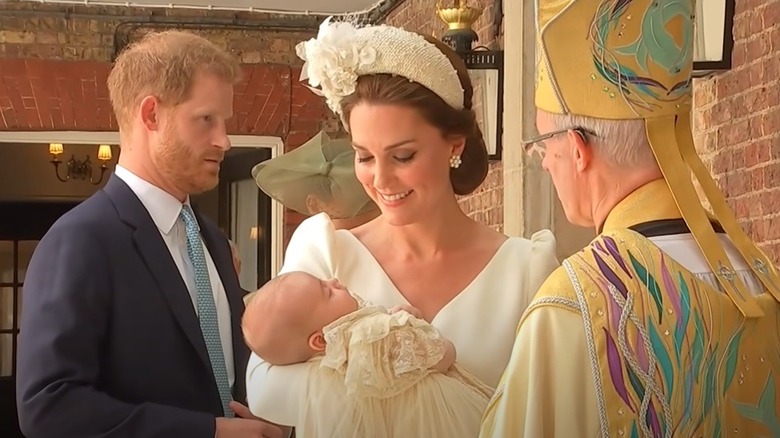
[397, 90]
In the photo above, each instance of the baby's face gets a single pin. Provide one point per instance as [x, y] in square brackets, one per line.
[327, 300]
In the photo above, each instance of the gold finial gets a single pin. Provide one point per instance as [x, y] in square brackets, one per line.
[459, 17]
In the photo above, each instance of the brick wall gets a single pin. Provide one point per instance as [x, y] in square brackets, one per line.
[54, 60]
[29, 29]
[737, 122]
[486, 204]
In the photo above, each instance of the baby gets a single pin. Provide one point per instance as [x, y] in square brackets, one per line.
[378, 372]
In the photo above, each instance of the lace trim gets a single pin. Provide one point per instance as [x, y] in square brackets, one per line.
[380, 354]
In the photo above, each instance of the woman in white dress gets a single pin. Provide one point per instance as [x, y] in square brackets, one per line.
[417, 146]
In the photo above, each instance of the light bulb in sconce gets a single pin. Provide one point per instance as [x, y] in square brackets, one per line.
[255, 233]
[104, 152]
[56, 148]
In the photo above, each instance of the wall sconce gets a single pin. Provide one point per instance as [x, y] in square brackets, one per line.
[713, 37]
[486, 69]
[79, 169]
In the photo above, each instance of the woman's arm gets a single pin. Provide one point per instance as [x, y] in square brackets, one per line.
[274, 392]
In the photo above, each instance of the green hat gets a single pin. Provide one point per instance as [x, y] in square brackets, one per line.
[322, 168]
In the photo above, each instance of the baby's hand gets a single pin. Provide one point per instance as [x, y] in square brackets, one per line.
[405, 307]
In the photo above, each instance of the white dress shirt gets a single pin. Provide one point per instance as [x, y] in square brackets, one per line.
[165, 212]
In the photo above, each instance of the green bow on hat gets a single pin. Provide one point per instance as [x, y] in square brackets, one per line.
[319, 172]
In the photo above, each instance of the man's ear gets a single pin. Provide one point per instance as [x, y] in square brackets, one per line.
[150, 113]
[317, 341]
[581, 150]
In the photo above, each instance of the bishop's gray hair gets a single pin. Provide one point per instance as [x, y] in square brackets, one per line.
[623, 142]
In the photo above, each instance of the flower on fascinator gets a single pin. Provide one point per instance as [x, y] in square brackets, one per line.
[332, 61]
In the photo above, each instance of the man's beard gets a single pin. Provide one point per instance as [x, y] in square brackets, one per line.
[175, 163]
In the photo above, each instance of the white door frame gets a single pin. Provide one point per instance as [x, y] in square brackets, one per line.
[112, 138]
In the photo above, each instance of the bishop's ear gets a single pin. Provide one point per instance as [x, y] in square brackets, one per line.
[581, 150]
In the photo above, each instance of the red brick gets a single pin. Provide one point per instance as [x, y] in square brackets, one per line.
[73, 88]
[742, 206]
[765, 200]
[738, 158]
[739, 184]
[735, 133]
[755, 23]
[742, 26]
[756, 128]
[773, 228]
[771, 66]
[746, 6]
[755, 73]
[721, 113]
[735, 82]
[757, 153]
[771, 120]
[758, 229]
[772, 176]
[760, 46]
[748, 170]
[722, 163]
[739, 54]
[709, 142]
[756, 180]
[771, 13]
[774, 39]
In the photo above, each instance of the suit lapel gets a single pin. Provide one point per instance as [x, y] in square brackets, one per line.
[157, 258]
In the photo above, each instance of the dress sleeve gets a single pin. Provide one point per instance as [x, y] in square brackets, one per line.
[539, 261]
[543, 259]
[312, 248]
[382, 355]
[273, 392]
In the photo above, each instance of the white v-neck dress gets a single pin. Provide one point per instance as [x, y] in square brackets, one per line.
[480, 321]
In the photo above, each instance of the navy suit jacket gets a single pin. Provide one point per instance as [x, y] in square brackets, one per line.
[110, 344]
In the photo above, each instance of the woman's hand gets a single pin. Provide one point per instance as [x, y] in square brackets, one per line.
[448, 360]
[407, 308]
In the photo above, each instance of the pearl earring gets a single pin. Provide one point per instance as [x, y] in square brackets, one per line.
[455, 161]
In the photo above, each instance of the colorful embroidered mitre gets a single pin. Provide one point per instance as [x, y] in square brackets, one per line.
[632, 59]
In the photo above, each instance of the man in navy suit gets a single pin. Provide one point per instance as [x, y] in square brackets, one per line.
[131, 318]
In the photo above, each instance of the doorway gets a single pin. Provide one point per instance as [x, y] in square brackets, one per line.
[245, 215]
[22, 226]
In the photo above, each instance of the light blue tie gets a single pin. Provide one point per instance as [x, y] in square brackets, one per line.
[207, 310]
